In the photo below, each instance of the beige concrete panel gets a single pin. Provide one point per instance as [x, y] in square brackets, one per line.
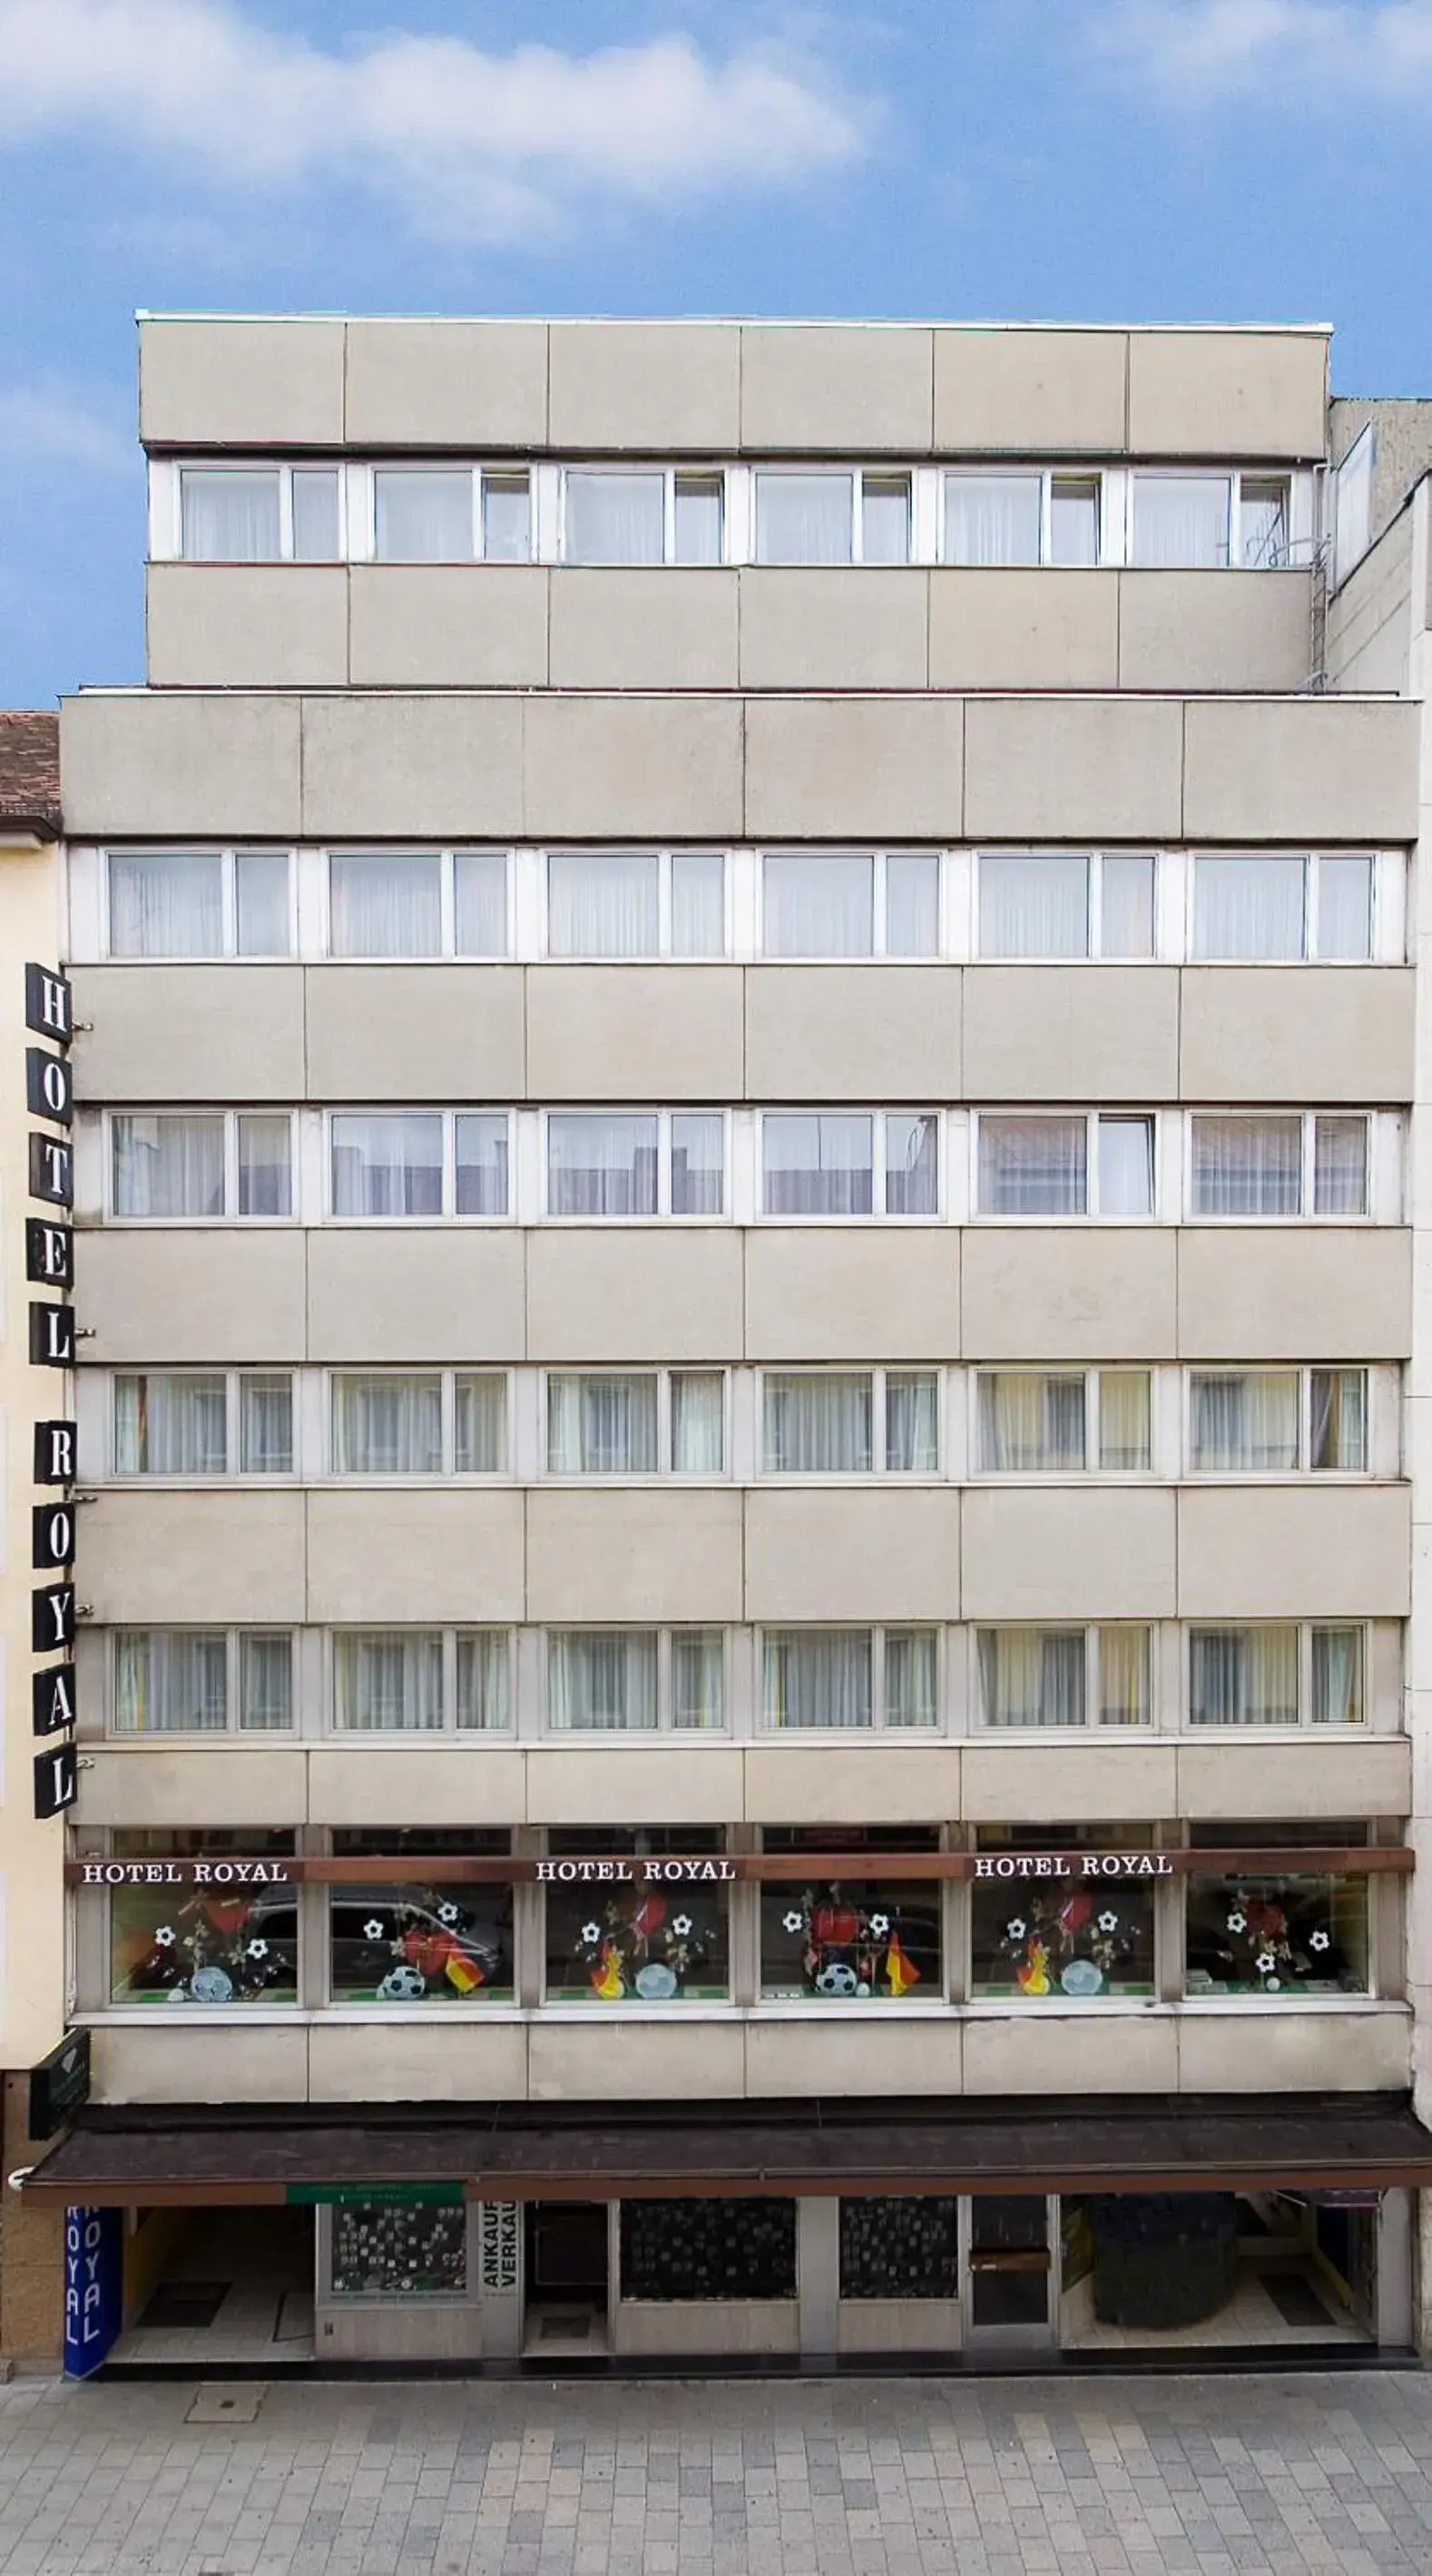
[429, 1033]
[442, 2059]
[198, 1559]
[873, 2056]
[1370, 619]
[1225, 1774]
[181, 1295]
[634, 1554]
[845, 1293]
[190, 1033]
[1271, 1293]
[1246, 394]
[1045, 1783]
[1110, 768]
[651, 628]
[1068, 1552]
[607, 2059]
[1069, 1293]
[1030, 392]
[411, 768]
[1008, 629]
[357, 1782]
[1313, 769]
[839, 389]
[834, 628]
[455, 626]
[853, 1033]
[672, 2328]
[636, 1293]
[826, 1783]
[404, 1555]
[835, 769]
[469, 384]
[260, 382]
[1285, 1551]
[415, 1293]
[1295, 2052]
[243, 2062]
[246, 626]
[1312, 1033]
[1088, 2054]
[157, 1783]
[1214, 630]
[180, 763]
[612, 767]
[653, 388]
[850, 1555]
[600, 1032]
[898, 2325]
[1071, 1033]
[631, 1783]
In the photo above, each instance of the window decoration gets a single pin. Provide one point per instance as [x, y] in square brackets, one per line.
[851, 1941]
[1277, 1936]
[905, 2248]
[204, 1945]
[382, 2253]
[636, 1943]
[708, 2249]
[1063, 1939]
[421, 1941]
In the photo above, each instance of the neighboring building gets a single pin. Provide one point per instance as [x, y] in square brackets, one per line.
[744, 1174]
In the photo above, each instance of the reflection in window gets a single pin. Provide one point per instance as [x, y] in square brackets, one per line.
[601, 1163]
[1270, 1935]
[419, 1941]
[183, 1944]
[389, 1163]
[818, 1164]
[639, 1938]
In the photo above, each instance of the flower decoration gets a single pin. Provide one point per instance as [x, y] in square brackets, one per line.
[793, 1922]
[373, 1929]
[681, 1926]
[1318, 1941]
[164, 1937]
[591, 1934]
[256, 1950]
[1237, 1922]
[880, 1925]
[1265, 1963]
[449, 1914]
[1017, 1928]
[1108, 1923]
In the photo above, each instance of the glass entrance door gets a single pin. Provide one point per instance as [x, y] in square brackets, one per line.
[1010, 2273]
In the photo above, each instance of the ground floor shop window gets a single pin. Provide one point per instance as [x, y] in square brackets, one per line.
[899, 2249]
[424, 1940]
[1074, 1939]
[213, 1943]
[647, 1937]
[1261, 1934]
[383, 2253]
[708, 2249]
[854, 1939]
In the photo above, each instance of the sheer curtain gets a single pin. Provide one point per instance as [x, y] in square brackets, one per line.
[1249, 907]
[912, 1163]
[1243, 1677]
[384, 903]
[266, 1426]
[482, 1682]
[481, 1161]
[1037, 907]
[1033, 1166]
[602, 1679]
[698, 1677]
[818, 1425]
[698, 903]
[1245, 1424]
[698, 1177]
[698, 1422]
[817, 1677]
[1338, 1427]
[262, 921]
[1032, 1676]
[601, 1426]
[480, 1426]
[480, 904]
[615, 518]
[603, 903]
[1126, 898]
[1180, 520]
[1263, 517]
[818, 907]
[1247, 1166]
[601, 1163]
[265, 1684]
[316, 514]
[1345, 908]
[170, 1426]
[912, 1422]
[912, 904]
[506, 519]
[817, 1165]
[422, 514]
[698, 509]
[992, 518]
[387, 1426]
[910, 1695]
[1074, 519]
[1031, 1423]
[1126, 1166]
[390, 1681]
[1124, 1428]
[885, 518]
[804, 518]
[168, 1166]
[1337, 1677]
[229, 517]
[390, 1164]
[170, 1681]
[168, 904]
[1124, 1661]
[265, 1165]
[1340, 1167]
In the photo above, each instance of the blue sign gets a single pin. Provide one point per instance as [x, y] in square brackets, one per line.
[94, 2287]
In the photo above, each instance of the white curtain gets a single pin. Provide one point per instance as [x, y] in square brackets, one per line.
[1035, 907]
[603, 903]
[422, 514]
[697, 1163]
[170, 1426]
[615, 518]
[168, 1166]
[384, 903]
[1337, 1677]
[387, 1426]
[817, 1165]
[601, 1163]
[818, 907]
[1124, 1420]
[265, 1684]
[698, 518]
[912, 1167]
[482, 1682]
[603, 1679]
[1127, 905]
[817, 1425]
[1247, 1166]
[480, 904]
[817, 1677]
[1263, 516]
[1033, 1166]
[315, 514]
[263, 924]
[698, 1677]
[1032, 1676]
[1124, 1661]
[601, 1426]
[912, 904]
[480, 1154]
[1245, 1424]
[698, 1423]
[1345, 908]
[1074, 519]
[1340, 1167]
[1243, 1677]
[1249, 907]
[885, 519]
[265, 1166]
[166, 904]
[230, 517]
[1180, 520]
[1338, 1428]
[506, 519]
[390, 1164]
[1031, 1423]
[480, 1425]
[1126, 1166]
[804, 518]
[170, 1681]
[266, 1426]
[912, 1422]
[910, 1677]
[992, 518]
[390, 1681]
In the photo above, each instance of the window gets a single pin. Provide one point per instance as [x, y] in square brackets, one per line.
[636, 903]
[1021, 518]
[1252, 1421]
[634, 1939]
[622, 1163]
[824, 515]
[1059, 904]
[1070, 1940]
[1338, 1421]
[184, 1425]
[431, 1939]
[1336, 1676]
[185, 1944]
[1064, 1676]
[611, 1424]
[849, 1163]
[1288, 1164]
[1261, 905]
[451, 514]
[906, 2248]
[260, 513]
[854, 1423]
[378, 2251]
[431, 1425]
[854, 903]
[419, 1163]
[1243, 1676]
[202, 1681]
[1209, 520]
[708, 2249]
[1074, 1164]
[1266, 1934]
[634, 1680]
[1036, 1422]
[175, 1165]
[642, 515]
[506, 518]
[419, 1681]
[384, 903]
[199, 903]
[849, 1677]
[840, 1941]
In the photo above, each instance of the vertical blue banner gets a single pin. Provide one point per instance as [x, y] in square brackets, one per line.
[94, 2287]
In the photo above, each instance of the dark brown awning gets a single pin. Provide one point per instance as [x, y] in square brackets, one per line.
[194, 2157]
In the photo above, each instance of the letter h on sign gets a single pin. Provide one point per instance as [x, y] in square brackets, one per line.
[48, 1008]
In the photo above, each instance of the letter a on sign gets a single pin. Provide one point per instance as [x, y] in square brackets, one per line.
[52, 1699]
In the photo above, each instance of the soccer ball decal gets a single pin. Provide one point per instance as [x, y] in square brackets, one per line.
[403, 1985]
[837, 1979]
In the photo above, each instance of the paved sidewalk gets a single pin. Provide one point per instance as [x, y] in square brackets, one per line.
[1219, 2477]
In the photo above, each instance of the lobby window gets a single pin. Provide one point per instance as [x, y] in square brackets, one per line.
[1057, 904]
[905, 2248]
[1073, 1939]
[1268, 1933]
[202, 1681]
[1038, 1422]
[995, 518]
[632, 1681]
[1281, 1165]
[243, 514]
[856, 1939]
[451, 514]
[708, 2249]
[844, 1678]
[182, 1944]
[418, 903]
[200, 903]
[827, 515]
[850, 903]
[827, 1422]
[635, 1163]
[1063, 1165]
[636, 903]
[843, 1162]
[1274, 1421]
[1193, 521]
[642, 515]
[1277, 1675]
[435, 1424]
[430, 1939]
[421, 1681]
[1055, 1677]
[169, 1165]
[636, 1423]
[1261, 906]
[638, 1939]
[419, 1163]
[203, 1423]
[377, 2251]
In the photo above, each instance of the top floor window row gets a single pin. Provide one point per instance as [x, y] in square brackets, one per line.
[1010, 514]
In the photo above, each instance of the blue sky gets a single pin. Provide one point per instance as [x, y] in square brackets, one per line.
[1175, 160]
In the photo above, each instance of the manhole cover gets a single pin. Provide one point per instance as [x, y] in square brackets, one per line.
[237, 2403]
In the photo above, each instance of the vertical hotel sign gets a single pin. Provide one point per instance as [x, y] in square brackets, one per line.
[50, 1266]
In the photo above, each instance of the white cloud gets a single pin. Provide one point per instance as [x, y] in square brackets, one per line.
[45, 421]
[1275, 52]
[466, 142]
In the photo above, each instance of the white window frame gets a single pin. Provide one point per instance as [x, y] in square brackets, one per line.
[1386, 930]
[1022, 469]
[878, 1631]
[226, 854]
[449, 1729]
[325, 854]
[880, 951]
[879, 1468]
[1090, 1215]
[995, 853]
[167, 542]
[233, 1637]
[664, 1472]
[979, 1474]
[1384, 1165]
[98, 1427]
[693, 467]
[665, 1726]
[939, 1215]
[230, 1214]
[858, 471]
[662, 1215]
[664, 855]
[1094, 1727]
[447, 1214]
[448, 1472]
[1373, 1419]
[1306, 1724]
[438, 464]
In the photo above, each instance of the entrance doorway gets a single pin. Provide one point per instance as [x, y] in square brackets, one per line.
[1010, 2273]
[568, 2273]
[215, 2286]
